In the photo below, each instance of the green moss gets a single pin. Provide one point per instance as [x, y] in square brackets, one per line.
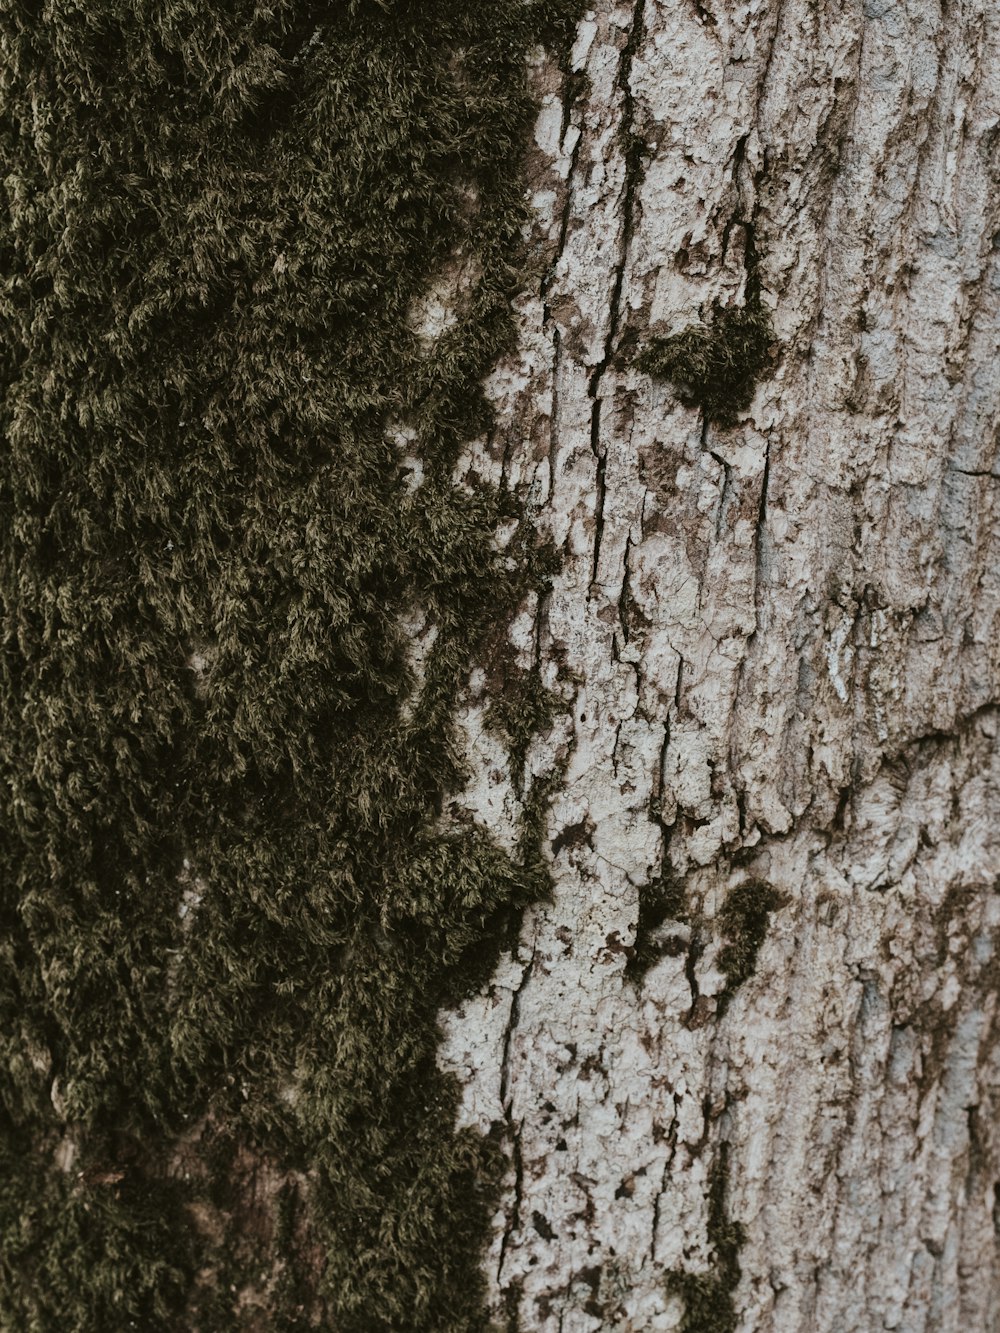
[520, 709]
[743, 923]
[229, 906]
[708, 1296]
[715, 367]
[659, 901]
[89, 1249]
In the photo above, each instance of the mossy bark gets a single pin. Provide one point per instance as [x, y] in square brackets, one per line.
[233, 899]
[500, 675]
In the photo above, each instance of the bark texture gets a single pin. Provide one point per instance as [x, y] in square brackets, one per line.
[747, 1058]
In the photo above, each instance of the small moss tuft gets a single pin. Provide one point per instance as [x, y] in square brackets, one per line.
[714, 367]
[743, 922]
[659, 901]
[519, 712]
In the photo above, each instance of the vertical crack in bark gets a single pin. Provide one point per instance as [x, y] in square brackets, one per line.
[513, 1126]
[514, 1222]
[692, 957]
[624, 601]
[758, 541]
[659, 777]
[601, 483]
[708, 1296]
[614, 749]
[726, 474]
[657, 1205]
[554, 416]
[571, 89]
[633, 178]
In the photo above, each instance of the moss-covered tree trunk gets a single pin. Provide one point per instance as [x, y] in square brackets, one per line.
[747, 1057]
[500, 801]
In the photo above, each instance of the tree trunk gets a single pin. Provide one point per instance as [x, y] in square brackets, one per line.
[522, 858]
[747, 1055]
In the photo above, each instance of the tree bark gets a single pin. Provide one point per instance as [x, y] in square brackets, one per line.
[746, 1058]
[738, 709]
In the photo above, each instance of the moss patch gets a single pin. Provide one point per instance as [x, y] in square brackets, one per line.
[88, 1249]
[229, 908]
[743, 924]
[521, 709]
[660, 901]
[715, 367]
[708, 1297]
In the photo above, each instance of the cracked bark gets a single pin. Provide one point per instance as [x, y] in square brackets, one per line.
[513, 1221]
[824, 577]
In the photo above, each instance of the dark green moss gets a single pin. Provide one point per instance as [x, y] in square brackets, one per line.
[519, 710]
[659, 901]
[715, 367]
[743, 923]
[91, 1248]
[708, 1296]
[230, 906]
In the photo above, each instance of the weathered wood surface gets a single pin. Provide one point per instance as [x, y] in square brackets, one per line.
[778, 648]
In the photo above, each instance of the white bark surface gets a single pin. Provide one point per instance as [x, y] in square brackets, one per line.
[778, 648]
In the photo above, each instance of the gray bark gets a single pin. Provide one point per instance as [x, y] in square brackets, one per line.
[777, 648]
